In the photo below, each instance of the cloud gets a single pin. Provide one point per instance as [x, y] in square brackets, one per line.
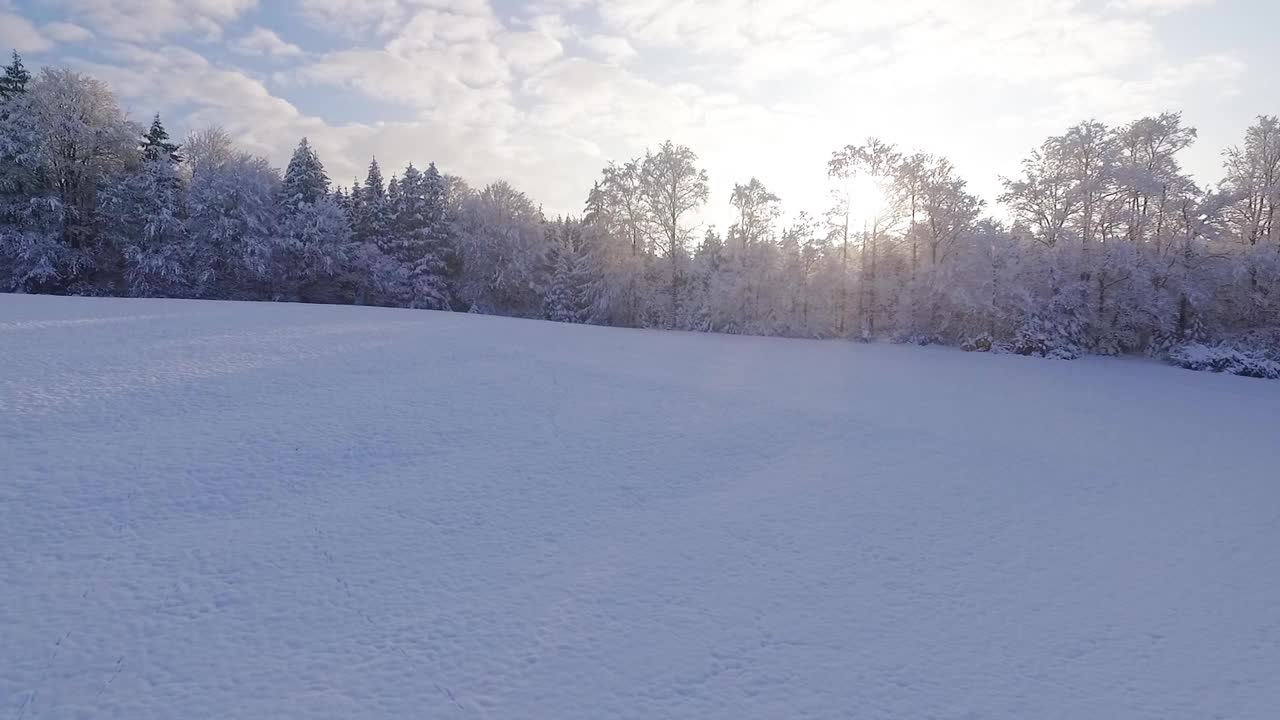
[1158, 6]
[456, 60]
[545, 93]
[525, 50]
[354, 18]
[66, 32]
[610, 47]
[261, 41]
[137, 20]
[18, 33]
[478, 142]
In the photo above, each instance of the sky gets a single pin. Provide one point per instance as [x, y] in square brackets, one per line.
[545, 93]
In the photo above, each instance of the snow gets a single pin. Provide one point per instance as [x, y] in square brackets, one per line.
[226, 510]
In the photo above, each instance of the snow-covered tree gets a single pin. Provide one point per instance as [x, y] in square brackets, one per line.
[84, 143]
[210, 145]
[33, 254]
[311, 252]
[568, 290]
[504, 252]
[370, 214]
[622, 228]
[305, 180]
[741, 295]
[1253, 175]
[156, 145]
[672, 188]
[231, 217]
[419, 237]
[862, 174]
[15, 78]
[143, 222]
[313, 244]
[1112, 247]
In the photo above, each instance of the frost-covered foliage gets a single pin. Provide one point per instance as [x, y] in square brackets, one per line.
[422, 237]
[231, 221]
[568, 295]
[505, 264]
[305, 180]
[148, 232]
[1226, 357]
[1254, 353]
[32, 254]
[68, 140]
[1110, 247]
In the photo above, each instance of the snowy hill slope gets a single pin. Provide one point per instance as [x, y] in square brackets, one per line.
[222, 510]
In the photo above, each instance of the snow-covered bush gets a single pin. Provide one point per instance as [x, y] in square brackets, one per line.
[1251, 354]
[1223, 358]
[1058, 338]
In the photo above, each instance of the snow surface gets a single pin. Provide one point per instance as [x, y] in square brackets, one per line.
[224, 510]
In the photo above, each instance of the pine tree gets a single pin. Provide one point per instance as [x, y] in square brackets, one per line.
[351, 202]
[370, 219]
[562, 303]
[343, 199]
[418, 238]
[568, 294]
[15, 79]
[316, 251]
[430, 273]
[374, 191]
[305, 181]
[156, 145]
[314, 233]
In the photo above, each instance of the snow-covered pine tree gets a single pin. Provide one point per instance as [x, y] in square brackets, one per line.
[317, 250]
[417, 238]
[370, 218]
[703, 268]
[373, 277]
[560, 303]
[156, 145]
[431, 272]
[15, 78]
[305, 181]
[567, 296]
[314, 233]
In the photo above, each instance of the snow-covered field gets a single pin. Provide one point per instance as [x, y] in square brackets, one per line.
[222, 510]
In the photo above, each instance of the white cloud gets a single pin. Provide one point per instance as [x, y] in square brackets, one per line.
[149, 19]
[613, 48]
[356, 17]
[456, 61]
[261, 41]
[547, 95]
[18, 33]
[66, 32]
[1158, 6]
[529, 49]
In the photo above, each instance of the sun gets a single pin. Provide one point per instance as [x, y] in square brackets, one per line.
[867, 198]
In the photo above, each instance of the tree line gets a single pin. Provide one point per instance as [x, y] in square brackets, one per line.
[1110, 248]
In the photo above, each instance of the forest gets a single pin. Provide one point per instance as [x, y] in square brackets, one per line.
[1106, 245]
